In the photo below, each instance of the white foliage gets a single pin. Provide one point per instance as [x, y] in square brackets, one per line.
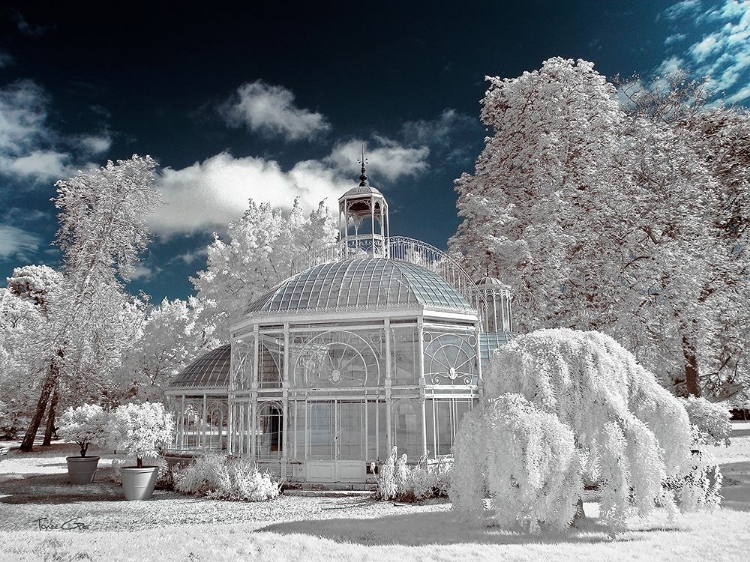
[142, 430]
[622, 223]
[711, 425]
[629, 432]
[219, 477]
[529, 462]
[397, 480]
[264, 248]
[84, 425]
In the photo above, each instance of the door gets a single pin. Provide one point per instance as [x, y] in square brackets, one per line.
[336, 440]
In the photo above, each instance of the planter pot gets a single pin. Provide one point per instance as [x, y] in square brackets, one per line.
[81, 470]
[138, 483]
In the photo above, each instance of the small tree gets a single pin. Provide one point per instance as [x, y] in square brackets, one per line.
[630, 434]
[143, 430]
[85, 425]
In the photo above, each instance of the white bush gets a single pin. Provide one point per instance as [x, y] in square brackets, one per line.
[711, 425]
[227, 478]
[399, 481]
[529, 460]
[629, 432]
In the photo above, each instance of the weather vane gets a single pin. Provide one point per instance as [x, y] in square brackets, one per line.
[363, 161]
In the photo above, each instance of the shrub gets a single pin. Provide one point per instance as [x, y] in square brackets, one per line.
[84, 425]
[399, 481]
[710, 422]
[529, 460]
[227, 478]
[630, 434]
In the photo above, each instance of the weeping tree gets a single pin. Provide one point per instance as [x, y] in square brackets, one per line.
[102, 215]
[565, 407]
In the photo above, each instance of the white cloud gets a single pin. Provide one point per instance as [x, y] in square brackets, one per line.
[29, 147]
[671, 65]
[22, 117]
[438, 131]
[39, 164]
[681, 9]
[96, 144]
[705, 48]
[190, 257]
[140, 271]
[740, 95]
[723, 52]
[25, 27]
[17, 242]
[207, 195]
[270, 110]
[676, 38]
[388, 160]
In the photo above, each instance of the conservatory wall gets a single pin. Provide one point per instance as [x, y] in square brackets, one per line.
[322, 401]
[200, 421]
[197, 398]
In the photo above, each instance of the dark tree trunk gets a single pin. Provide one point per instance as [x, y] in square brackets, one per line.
[50, 429]
[50, 381]
[692, 375]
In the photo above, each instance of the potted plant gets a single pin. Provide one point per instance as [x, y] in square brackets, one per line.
[85, 425]
[142, 430]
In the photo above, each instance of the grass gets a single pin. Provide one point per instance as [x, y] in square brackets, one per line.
[176, 528]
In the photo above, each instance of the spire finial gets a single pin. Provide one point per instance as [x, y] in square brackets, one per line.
[363, 176]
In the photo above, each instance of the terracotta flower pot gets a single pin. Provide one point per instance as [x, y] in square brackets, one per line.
[81, 470]
[138, 483]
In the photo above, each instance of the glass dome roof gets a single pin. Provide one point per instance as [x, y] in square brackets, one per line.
[210, 370]
[362, 283]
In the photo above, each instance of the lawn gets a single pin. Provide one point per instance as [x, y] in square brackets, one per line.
[44, 518]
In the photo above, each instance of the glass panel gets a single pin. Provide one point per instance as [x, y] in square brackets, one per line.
[297, 428]
[209, 370]
[270, 360]
[450, 359]
[242, 357]
[404, 353]
[351, 434]
[377, 431]
[215, 433]
[321, 430]
[443, 418]
[407, 428]
[337, 358]
[270, 430]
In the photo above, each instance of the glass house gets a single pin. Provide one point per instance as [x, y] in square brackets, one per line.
[380, 342]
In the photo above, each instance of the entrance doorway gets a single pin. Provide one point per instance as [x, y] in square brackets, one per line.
[339, 434]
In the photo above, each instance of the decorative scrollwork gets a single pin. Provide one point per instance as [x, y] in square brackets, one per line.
[449, 359]
[337, 358]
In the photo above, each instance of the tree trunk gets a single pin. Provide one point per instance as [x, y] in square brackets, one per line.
[50, 429]
[692, 375]
[50, 381]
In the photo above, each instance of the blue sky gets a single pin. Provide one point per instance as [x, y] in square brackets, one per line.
[249, 100]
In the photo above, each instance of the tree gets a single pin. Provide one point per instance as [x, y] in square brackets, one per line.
[717, 140]
[265, 247]
[32, 296]
[538, 186]
[553, 389]
[102, 230]
[625, 222]
[24, 308]
[170, 338]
